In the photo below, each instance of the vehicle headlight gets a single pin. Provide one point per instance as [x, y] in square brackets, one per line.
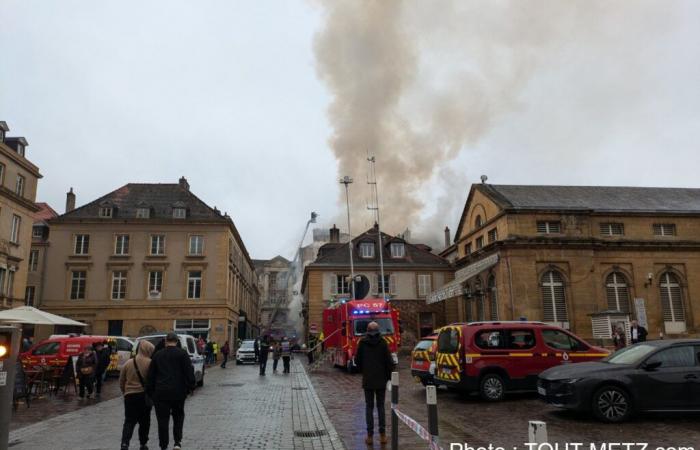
[395, 358]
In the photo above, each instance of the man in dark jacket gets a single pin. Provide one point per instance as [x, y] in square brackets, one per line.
[104, 354]
[638, 332]
[373, 359]
[170, 380]
[264, 352]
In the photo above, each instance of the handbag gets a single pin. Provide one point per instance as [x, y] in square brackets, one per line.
[147, 398]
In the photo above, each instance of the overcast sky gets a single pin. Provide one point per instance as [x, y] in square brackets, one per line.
[235, 96]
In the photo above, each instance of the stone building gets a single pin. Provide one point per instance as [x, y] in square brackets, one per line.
[275, 291]
[18, 183]
[411, 272]
[147, 258]
[562, 253]
[38, 253]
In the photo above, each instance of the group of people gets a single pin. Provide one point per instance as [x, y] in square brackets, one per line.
[280, 349]
[211, 350]
[91, 368]
[637, 334]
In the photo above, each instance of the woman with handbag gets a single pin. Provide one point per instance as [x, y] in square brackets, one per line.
[87, 368]
[137, 404]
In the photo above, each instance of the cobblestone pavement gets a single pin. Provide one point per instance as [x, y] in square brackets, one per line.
[235, 409]
[473, 421]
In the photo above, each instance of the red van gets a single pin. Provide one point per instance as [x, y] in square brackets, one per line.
[56, 350]
[423, 360]
[493, 358]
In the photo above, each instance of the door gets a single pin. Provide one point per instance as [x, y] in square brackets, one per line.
[563, 348]
[115, 328]
[448, 355]
[670, 385]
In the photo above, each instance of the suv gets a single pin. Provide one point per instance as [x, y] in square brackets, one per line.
[495, 357]
[423, 360]
[188, 343]
[246, 352]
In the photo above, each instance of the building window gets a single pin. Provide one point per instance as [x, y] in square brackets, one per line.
[617, 292]
[479, 297]
[477, 222]
[398, 250]
[33, 260]
[37, 232]
[77, 285]
[548, 227]
[119, 285]
[612, 229]
[121, 244]
[155, 282]
[196, 245]
[16, 224]
[106, 213]
[553, 298]
[143, 213]
[158, 244]
[2, 173]
[672, 298]
[424, 285]
[179, 213]
[664, 229]
[493, 297]
[29, 295]
[468, 248]
[479, 242]
[493, 235]
[342, 284]
[384, 285]
[367, 250]
[194, 284]
[19, 187]
[82, 244]
[426, 322]
[3, 271]
[20, 149]
[11, 283]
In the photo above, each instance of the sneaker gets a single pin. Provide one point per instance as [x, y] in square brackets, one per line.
[368, 439]
[382, 438]
[125, 446]
[177, 447]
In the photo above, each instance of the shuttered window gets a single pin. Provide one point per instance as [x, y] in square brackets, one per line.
[553, 297]
[664, 229]
[548, 227]
[671, 298]
[617, 292]
[493, 297]
[479, 242]
[612, 229]
[493, 235]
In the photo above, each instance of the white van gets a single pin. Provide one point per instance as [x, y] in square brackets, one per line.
[188, 343]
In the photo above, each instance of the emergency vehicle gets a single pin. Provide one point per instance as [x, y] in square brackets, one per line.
[345, 323]
[56, 350]
[496, 357]
[423, 359]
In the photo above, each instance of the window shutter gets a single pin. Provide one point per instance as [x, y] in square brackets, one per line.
[671, 298]
[617, 292]
[392, 284]
[553, 298]
[541, 227]
[334, 284]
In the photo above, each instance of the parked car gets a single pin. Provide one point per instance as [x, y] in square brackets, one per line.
[246, 352]
[122, 350]
[648, 376]
[188, 343]
[493, 358]
[423, 360]
[56, 350]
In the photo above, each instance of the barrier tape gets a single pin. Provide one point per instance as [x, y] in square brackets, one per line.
[418, 428]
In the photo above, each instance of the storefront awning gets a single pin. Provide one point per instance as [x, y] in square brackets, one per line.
[455, 287]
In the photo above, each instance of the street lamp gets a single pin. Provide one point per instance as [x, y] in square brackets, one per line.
[346, 180]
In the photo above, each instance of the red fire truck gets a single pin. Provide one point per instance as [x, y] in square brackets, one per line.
[346, 322]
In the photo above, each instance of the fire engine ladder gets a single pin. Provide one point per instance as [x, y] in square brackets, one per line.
[323, 357]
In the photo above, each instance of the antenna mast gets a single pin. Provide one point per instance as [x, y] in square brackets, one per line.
[374, 206]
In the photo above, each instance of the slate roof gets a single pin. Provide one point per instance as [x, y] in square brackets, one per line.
[596, 198]
[159, 197]
[334, 254]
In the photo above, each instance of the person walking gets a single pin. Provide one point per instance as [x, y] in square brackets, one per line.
[264, 353]
[225, 350]
[276, 354]
[87, 367]
[256, 350]
[209, 352]
[200, 345]
[104, 355]
[373, 359]
[286, 351]
[638, 332]
[170, 380]
[137, 406]
[215, 352]
[619, 337]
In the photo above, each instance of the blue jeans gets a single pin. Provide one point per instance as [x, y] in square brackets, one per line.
[370, 396]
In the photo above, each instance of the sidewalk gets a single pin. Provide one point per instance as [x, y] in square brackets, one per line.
[236, 408]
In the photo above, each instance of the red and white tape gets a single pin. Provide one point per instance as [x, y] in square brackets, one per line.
[415, 426]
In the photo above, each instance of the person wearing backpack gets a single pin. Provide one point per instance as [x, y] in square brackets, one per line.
[137, 404]
[87, 367]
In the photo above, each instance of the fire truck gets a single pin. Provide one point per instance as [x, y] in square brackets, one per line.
[345, 323]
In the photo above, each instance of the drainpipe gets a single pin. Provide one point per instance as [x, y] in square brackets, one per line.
[510, 284]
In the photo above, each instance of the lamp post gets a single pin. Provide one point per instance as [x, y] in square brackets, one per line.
[346, 180]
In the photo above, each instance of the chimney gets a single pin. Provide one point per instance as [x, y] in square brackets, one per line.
[184, 184]
[335, 235]
[447, 237]
[70, 201]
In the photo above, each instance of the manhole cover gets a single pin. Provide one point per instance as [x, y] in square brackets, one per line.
[230, 384]
[310, 433]
[299, 388]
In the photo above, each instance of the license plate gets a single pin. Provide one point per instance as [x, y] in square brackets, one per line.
[541, 391]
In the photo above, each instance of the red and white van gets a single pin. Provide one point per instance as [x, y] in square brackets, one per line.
[56, 350]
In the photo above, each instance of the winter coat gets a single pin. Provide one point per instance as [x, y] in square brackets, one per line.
[129, 381]
[285, 349]
[225, 350]
[373, 359]
[86, 361]
[171, 375]
[103, 359]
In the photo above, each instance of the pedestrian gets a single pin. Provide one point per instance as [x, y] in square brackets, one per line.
[276, 355]
[215, 352]
[25, 344]
[256, 350]
[286, 350]
[170, 380]
[638, 332]
[137, 406]
[619, 337]
[87, 367]
[264, 352]
[200, 345]
[225, 350]
[104, 355]
[209, 352]
[373, 359]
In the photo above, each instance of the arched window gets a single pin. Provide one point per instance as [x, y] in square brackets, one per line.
[493, 297]
[479, 295]
[672, 303]
[617, 292]
[553, 297]
[477, 222]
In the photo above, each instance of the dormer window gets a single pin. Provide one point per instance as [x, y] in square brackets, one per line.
[143, 213]
[20, 148]
[2, 135]
[179, 213]
[398, 250]
[367, 249]
[106, 212]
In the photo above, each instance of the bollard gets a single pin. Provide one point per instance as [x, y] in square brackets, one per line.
[537, 432]
[431, 400]
[394, 417]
